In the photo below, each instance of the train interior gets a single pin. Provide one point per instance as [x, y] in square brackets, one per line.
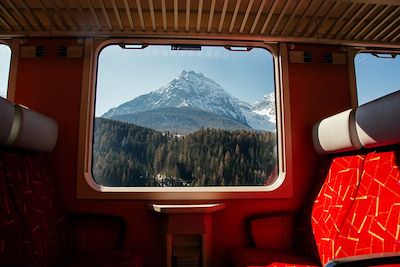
[199, 133]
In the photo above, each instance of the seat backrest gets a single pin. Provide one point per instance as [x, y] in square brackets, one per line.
[30, 183]
[373, 224]
[15, 246]
[335, 134]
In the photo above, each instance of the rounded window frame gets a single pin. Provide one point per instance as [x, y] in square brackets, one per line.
[9, 94]
[361, 50]
[89, 188]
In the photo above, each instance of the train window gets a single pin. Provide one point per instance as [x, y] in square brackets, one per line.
[377, 74]
[5, 59]
[184, 116]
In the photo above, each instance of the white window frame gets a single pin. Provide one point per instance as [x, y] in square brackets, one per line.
[10, 90]
[353, 52]
[87, 188]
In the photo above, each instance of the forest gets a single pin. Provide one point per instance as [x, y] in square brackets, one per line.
[125, 154]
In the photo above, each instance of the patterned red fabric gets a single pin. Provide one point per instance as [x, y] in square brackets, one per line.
[14, 244]
[328, 212]
[31, 187]
[373, 225]
[248, 257]
[333, 203]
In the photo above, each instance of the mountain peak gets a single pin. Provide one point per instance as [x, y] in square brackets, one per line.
[189, 89]
[196, 91]
[266, 106]
[190, 73]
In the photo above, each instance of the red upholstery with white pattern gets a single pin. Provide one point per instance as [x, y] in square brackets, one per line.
[334, 201]
[248, 257]
[373, 224]
[31, 187]
[329, 211]
[15, 247]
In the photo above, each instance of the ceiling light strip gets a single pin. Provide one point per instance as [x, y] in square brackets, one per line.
[129, 15]
[211, 17]
[270, 13]
[223, 13]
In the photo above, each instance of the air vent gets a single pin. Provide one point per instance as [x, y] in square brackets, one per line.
[62, 51]
[32, 51]
[300, 57]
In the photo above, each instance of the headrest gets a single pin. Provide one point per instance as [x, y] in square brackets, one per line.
[23, 128]
[378, 123]
[336, 133]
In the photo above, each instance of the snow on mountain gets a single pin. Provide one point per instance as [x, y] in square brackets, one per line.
[189, 89]
[256, 115]
[266, 107]
[194, 90]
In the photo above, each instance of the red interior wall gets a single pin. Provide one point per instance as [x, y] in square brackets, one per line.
[52, 86]
[317, 90]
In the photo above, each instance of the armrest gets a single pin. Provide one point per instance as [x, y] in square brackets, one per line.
[270, 230]
[97, 232]
[367, 260]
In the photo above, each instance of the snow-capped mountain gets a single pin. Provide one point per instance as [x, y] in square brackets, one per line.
[255, 120]
[192, 91]
[189, 89]
[266, 107]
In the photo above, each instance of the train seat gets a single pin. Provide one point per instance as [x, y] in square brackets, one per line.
[356, 211]
[34, 229]
[373, 223]
[330, 198]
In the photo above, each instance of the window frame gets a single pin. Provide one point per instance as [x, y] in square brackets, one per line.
[361, 50]
[88, 188]
[11, 76]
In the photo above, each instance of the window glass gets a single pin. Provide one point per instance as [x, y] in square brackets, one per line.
[184, 116]
[5, 59]
[377, 75]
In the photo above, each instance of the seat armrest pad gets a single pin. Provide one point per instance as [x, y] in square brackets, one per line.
[380, 259]
[271, 230]
[97, 232]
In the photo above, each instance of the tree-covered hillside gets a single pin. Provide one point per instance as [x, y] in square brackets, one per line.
[129, 155]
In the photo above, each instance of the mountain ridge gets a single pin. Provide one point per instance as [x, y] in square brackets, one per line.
[194, 90]
[181, 120]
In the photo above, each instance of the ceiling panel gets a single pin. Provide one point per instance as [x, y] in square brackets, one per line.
[365, 21]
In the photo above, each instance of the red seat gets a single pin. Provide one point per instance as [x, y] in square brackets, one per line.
[373, 225]
[262, 258]
[357, 210]
[333, 203]
[34, 229]
[15, 247]
[329, 211]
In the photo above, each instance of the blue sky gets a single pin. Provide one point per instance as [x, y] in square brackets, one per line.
[376, 77]
[124, 74]
[5, 58]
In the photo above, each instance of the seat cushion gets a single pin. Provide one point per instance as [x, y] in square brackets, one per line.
[123, 258]
[15, 248]
[373, 224]
[251, 257]
[31, 187]
[333, 203]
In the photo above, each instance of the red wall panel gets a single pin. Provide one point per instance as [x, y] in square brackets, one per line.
[317, 90]
[52, 85]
